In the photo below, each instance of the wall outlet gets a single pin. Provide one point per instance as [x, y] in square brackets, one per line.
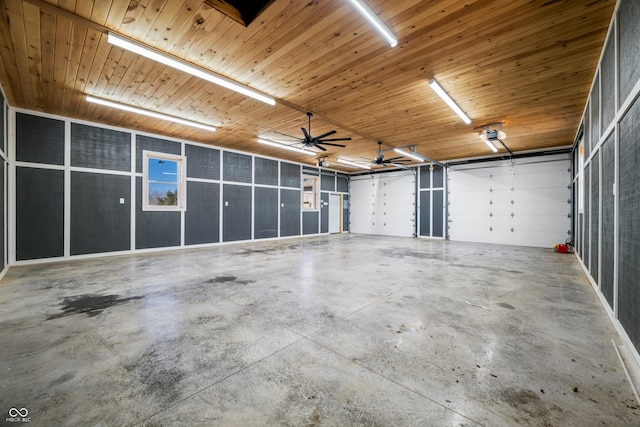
[122, 200]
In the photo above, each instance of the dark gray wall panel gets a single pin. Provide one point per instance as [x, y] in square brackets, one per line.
[3, 134]
[629, 34]
[345, 213]
[608, 230]
[236, 214]
[328, 182]
[343, 183]
[39, 139]
[438, 176]
[629, 224]
[576, 238]
[202, 162]
[306, 170]
[94, 147]
[202, 218]
[580, 235]
[595, 217]
[290, 212]
[154, 144]
[266, 171]
[310, 222]
[155, 229]
[3, 186]
[237, 167]
[608, 81]
[438, 213]
[39, 213]
[425, 177]
[595, 112]
[3, 231]
[587, 131]
[586, 216]
[289, 175]
[324, 213]
[99, 223]
[265, 220]
[425, 211]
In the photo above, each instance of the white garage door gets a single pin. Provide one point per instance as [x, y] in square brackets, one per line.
[524, 204]
[383, 204]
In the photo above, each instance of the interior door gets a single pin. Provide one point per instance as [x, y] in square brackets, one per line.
[335, 208]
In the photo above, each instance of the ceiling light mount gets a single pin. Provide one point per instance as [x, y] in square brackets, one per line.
[179, 64]
[447, 99]
[149, 113]
[375, 21]
[352, 163]
[410, 151]
[285, 146]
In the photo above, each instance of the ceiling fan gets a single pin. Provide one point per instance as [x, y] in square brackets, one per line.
[394, 161]
[316, 141]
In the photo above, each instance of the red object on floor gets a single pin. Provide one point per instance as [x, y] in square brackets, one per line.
[563, 249]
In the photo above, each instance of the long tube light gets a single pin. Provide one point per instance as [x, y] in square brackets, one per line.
[446, 98]
[375, 21]
[408, 154]
[149, 113]
[184, 66]
[490, 144]
[285, 146]
[354, 164]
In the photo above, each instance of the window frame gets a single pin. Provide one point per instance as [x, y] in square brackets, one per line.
[315, 191]
[181, 167]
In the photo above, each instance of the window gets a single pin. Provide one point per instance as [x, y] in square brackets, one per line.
[163, 182]
[310, 196]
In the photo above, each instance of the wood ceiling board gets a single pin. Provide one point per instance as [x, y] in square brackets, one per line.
[525, 63]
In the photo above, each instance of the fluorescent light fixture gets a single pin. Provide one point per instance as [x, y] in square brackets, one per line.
[354, 164]
[486, 140]
[446, 98]
[149, 113]
[285, 146]
[375, 21]
[492, 136]
[409, 154]
[184, 66]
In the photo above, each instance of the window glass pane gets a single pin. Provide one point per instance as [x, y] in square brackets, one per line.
[310, 194]
[163, 182]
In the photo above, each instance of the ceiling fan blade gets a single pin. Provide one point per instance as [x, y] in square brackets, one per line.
[322, 148]
[397, 159]
[329, 143]
[325, 134]
[336, 139]
[307, 137]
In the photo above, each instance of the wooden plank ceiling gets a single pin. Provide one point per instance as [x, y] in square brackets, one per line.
[527, 63]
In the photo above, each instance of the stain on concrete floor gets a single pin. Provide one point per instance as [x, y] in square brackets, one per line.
[89, 304]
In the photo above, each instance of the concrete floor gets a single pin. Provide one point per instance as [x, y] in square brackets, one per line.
[333, 330]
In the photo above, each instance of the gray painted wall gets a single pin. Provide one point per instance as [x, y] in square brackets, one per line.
[608, 221]
[103, 195]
